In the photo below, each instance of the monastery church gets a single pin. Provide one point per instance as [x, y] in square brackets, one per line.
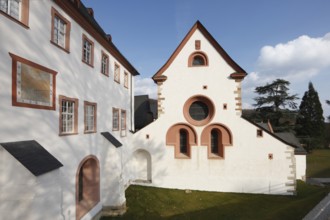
[68, 144]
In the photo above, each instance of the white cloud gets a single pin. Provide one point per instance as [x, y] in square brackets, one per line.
[298, 59]
[145, 86]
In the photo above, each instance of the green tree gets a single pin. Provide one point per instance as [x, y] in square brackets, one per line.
[273, 101]
[310, 121]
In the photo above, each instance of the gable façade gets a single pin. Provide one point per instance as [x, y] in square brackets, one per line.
[237, 73]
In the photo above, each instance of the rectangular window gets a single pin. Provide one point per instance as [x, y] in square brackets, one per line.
[68, 115]
[87, 51]
[123, 123]
[33, 85]
[60, 34]
[105, 64]
[17, 10]
[259, 133]
[115, 119]
[117, 73]
[126, 79]
[90, 109]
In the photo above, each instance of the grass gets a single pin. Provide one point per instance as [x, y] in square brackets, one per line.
[318, 163]
[157, 203]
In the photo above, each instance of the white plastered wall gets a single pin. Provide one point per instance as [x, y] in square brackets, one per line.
[75, 80]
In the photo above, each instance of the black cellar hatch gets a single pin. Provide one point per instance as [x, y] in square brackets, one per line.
[111, 139]
[32, 156]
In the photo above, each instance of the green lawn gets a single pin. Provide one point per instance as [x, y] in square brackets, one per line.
[318, 163]
[157, 203]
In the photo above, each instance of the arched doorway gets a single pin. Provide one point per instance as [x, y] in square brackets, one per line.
[87, 185]
[141, 166]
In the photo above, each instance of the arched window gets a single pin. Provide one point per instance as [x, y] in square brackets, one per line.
[197, 59]
[183, 141]
[87, 186]
[214, 141]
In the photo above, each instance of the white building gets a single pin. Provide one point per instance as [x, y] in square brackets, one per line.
[63, 84]
[200, 141]
[66, 146]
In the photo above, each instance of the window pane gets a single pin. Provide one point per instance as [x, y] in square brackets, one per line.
[183, 141]
[198, 111]
[198, 61]
[214, 142]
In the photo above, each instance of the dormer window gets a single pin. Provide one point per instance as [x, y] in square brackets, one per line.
[197, 59]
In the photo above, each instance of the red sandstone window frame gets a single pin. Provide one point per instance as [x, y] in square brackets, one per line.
[18, 83]
[104, 63]
[115, 119]
[123, 121]
[209, 105]
[86, 117]
[116, 73]
[75, 115]
[87, 57]
[66, 46]
[195, 55]
[126, 79]
[23, 14]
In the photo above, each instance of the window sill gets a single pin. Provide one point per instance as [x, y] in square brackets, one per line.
[90, 132]
[58, 46]
[67, 134]
[15, 20]
[182, 156]
[215, 157]
[117, 81]
[88, 64]
[105, 74]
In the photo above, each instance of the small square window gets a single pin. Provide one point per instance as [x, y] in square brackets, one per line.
[259, 133]
[204, 87]
[147, 136]
[225, 106]
[270, 156]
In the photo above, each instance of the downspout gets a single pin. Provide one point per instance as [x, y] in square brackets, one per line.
[132, 114]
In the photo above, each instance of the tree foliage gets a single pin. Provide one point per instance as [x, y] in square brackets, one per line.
[273, 100]
[275, 95]
[310, 121]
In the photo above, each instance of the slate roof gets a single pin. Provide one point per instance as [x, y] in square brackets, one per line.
[285, 137]
[32, 156]
[111, 139]
[144, 112]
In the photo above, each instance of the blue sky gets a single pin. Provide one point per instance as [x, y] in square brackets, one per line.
[287, 39]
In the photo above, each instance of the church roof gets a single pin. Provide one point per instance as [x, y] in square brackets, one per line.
[285, 137]
[239, 72]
